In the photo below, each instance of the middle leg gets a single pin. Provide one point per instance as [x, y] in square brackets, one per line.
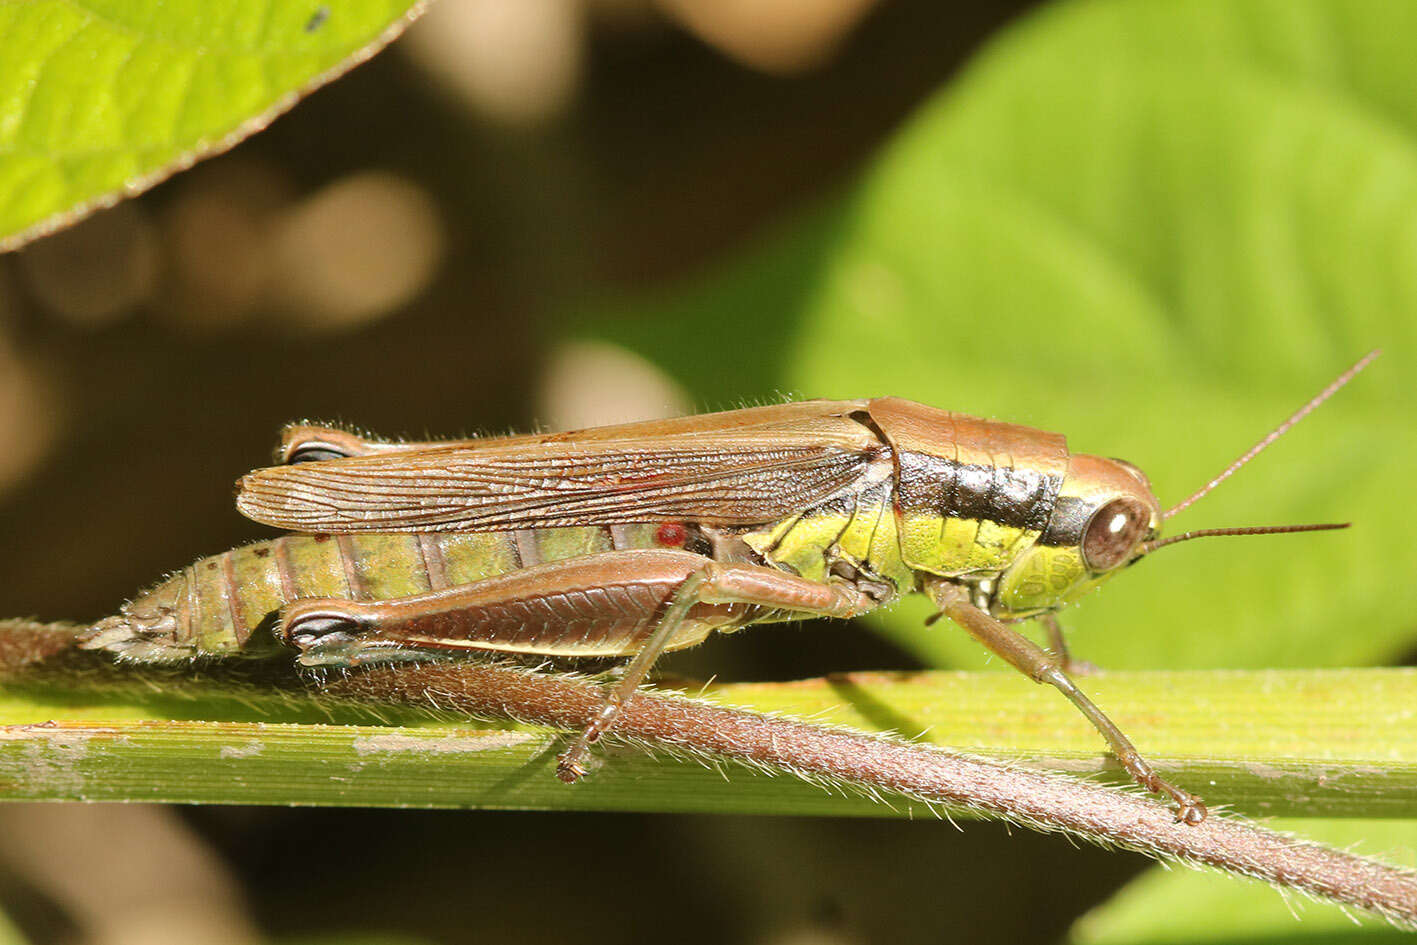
[1058, 645]
[714, 583]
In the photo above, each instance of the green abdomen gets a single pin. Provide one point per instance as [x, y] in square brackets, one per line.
[215, 605]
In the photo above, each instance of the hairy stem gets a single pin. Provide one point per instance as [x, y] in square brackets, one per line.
[1040, 800]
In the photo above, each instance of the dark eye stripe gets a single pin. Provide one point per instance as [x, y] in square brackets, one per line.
[1067, 523]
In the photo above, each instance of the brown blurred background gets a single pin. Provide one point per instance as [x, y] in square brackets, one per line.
[395, 253]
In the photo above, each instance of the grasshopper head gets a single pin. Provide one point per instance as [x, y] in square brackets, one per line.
[1103, 520]
[1106, 518]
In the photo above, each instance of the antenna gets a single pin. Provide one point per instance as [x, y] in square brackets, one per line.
[1151, 546]
[1264, 443]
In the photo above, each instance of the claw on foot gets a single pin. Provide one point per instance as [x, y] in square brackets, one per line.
[569, 770]
[1189, 808]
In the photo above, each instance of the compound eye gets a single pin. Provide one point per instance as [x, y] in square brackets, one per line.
[313, 451]
[1114, 533]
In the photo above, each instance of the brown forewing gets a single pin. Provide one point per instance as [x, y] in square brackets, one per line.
[801, 417]
[736, 468]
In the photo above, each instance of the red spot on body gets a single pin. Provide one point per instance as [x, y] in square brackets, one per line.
[671, 535]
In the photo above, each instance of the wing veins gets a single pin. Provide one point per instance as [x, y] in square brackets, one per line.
[456, 488]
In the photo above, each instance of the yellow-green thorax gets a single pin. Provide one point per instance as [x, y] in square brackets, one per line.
[1003, 508]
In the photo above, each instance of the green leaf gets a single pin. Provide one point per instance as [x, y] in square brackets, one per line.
[1311, 743]
[1179, 907]
[103, 98]
[9, 935]
[1158, 229]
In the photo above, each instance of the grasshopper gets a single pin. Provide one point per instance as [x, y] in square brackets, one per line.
[637, 539]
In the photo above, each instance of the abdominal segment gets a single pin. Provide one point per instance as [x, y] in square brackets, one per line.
[221, 606]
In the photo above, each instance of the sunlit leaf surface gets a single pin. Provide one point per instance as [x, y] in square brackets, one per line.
[101, 98]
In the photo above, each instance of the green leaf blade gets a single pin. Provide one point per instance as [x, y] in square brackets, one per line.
[1171, 907]
[1298, 743]
[100, 100]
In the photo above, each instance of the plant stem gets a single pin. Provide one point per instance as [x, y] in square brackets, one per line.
[1040, 800]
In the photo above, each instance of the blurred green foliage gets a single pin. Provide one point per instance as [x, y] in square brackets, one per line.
[9, 935]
